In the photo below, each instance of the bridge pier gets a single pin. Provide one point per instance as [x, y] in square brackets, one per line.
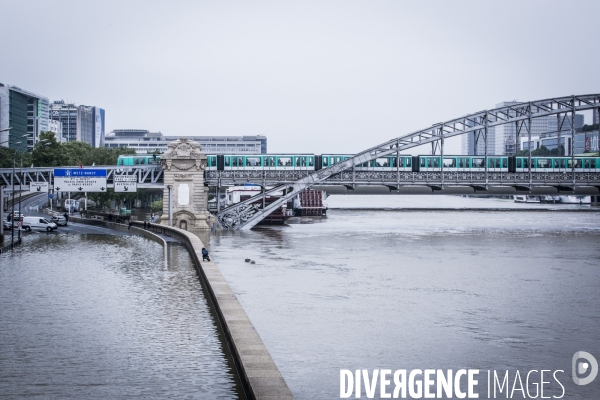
[185, 203]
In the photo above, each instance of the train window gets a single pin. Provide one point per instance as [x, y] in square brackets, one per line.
[269, 161]
[143, 161]
[338, 159]
[407, 162]
[311, 161]
[578, 163]
[394, 162]
[436, 162]
[559, 163]
[449, 162]
[505, 163]
[478, 163]
[284, 162]
[325, 161]
[136, 161]
[463, 163]
[423, 163]
[252, 161]
[382, 162]
[543, 163]
[589, 163]
[227, 161]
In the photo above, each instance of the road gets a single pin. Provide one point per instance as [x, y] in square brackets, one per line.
[33, 207]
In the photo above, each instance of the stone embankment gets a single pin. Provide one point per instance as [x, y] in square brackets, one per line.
[257, 370]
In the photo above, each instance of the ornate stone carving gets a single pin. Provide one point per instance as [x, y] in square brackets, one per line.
[183, 170]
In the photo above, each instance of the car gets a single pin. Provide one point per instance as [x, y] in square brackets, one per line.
[7, 225]
[16, 215]
[30, 223]
[59, 220]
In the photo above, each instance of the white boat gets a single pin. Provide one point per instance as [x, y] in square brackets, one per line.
[521, 198]
[550, 199]
[575, 199]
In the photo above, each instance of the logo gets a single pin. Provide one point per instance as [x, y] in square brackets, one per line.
[68, 172]
[581, 367]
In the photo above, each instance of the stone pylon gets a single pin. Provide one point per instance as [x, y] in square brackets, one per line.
[183, 167]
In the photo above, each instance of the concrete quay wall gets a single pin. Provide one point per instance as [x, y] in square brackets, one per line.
[257, 370]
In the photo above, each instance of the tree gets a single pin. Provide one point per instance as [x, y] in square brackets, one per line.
[157, 205]
[54, 154]
[49, 153]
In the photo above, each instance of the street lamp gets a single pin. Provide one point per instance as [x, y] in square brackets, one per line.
[12, 218]
[23, 178]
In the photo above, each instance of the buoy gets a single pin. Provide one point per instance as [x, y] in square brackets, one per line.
[252, 262]
[247, 260]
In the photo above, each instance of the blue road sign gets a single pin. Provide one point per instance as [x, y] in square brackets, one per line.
[50, 196]
[79, 172]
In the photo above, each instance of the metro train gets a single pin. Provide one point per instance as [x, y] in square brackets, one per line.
[404, 163]
[138, 159]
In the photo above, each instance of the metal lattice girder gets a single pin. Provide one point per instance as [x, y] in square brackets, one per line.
[148, 176]
[248, 213]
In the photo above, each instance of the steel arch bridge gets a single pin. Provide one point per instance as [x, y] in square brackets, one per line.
[248, 213]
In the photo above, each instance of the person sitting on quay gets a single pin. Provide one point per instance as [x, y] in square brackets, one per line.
[205, 256]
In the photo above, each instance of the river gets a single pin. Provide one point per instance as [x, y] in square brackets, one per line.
[100, 317]
[384, 288]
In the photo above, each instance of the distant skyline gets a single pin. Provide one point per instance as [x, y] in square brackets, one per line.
[336, 76]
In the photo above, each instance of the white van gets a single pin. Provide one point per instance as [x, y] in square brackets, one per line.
[71, 203]
[30, 223]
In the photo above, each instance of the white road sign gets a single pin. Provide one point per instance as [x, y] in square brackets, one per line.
[79, 180]
[38, 187]
[125, 183]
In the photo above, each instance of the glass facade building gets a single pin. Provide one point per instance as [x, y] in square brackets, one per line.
[26, 113]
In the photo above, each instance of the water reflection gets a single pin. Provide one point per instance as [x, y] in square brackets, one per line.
[99, 316]
[384, 289]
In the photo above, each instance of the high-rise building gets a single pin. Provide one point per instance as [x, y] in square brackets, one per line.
[56, 128]
[502, 139]
[471, 144]
[80, 123]
[26, 113]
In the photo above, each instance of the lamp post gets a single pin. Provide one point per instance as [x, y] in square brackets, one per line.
[12, 219]
[43, 141]
[2, 200]
[20, 187]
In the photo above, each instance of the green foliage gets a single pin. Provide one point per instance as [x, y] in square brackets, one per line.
[157, 205]
[54, 154]
[102, 200]
[543, 151]
[588, 128]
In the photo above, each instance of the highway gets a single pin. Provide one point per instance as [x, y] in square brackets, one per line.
[33, 207]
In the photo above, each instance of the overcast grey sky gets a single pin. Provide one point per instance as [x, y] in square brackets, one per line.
[313, 76]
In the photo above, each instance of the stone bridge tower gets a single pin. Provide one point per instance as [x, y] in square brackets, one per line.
[185, 195]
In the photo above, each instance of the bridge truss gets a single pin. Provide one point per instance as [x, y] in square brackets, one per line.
[248, 213]
[148, 176]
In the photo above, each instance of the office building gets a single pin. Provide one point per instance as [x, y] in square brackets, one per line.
[502, 139]
[80, 123]
[144, 141]
[56, 128]
[26, 113]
